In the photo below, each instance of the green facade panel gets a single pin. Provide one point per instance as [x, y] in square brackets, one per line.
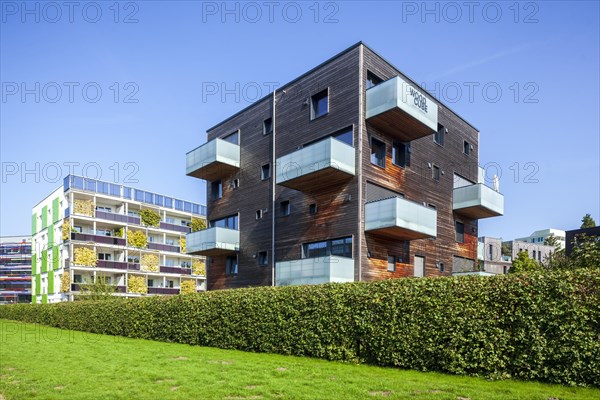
[44, 261]
[33, 299]
[51, 282]
[55, 210]
[50, 235]
[38, 284]
[44, 217]
[34, 224]
[34, 264]
[44, 299]
[56, 258]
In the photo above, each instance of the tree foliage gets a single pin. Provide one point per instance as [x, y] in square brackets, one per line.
[523, 264]
[84, 256]
[198, 224]
[149, 262]
[188, 286]
[137, 239]
[587, 221]
[137, 284]
[100, 289]
[149, 217]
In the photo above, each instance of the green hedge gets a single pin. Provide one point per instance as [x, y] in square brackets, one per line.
[541, 326]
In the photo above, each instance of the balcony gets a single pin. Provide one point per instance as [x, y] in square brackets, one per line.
[313, 271]
[175, 270]
[399, 109]
[111, 264]
[174, 227]
[400, 219]
[163, 247]
[158, 290]
[320, 165]
[213, 160]
[85, 237]
[117, 217]
[76, 287]
[477, 201]
[213, 242]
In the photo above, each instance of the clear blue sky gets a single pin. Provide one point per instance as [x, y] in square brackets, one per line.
[543, 56]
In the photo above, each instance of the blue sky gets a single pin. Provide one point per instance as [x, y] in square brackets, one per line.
[526, 75]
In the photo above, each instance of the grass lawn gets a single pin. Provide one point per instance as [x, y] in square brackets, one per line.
[38, 362]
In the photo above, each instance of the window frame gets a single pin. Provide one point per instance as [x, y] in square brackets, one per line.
[314, 102]
[288, 208]
[216, 194]
[384, 152]
[466, 148]
[459, 239]
[436, 172]
[394, 262]
[262, 172]
[440, 133]
[270, 123]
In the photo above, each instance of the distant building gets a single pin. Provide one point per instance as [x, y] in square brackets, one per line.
[571, 236]
[84, 230]
[15, 269]
[540, 236]
[496, 256]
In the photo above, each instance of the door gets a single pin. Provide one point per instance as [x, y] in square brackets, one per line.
[419, 266]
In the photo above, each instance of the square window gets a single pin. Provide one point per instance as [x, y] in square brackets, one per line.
[460, 232]
[265, 172]
[285, 208]
[259, 214]
[267, 126]
[233, 137]
[466, 147]
[438, 137]
[401, 154]
[435, 173]
[312, 209]
[377, 152]
[319, 104]
[263, 259]
[391, 264]
[216, 190]
[372, 80]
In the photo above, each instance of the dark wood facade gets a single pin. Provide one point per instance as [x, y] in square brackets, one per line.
[340, 203]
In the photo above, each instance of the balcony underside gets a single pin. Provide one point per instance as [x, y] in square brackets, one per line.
[213, 251]
[317, 181]
[478, 212]
[213, 171]
[400, 125]
[396, 232]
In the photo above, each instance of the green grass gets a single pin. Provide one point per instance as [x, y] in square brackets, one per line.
[39, 362]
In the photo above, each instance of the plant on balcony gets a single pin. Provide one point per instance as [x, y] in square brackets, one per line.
[182, 245]
[149, 262]
[84, 207]
[100, 289]
[188, 286]
[66, 229]
[120, 232]
[84, 256]
[137, 239]
[149, 217]
[65, 282]
[198, 224]
[137, 284]
[198, 267]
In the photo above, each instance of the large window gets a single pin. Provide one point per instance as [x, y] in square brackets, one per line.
[378, 152]
[345, 136]
[335, 247]
[401, 154]
[460, 232]
[231, 265]
[233, 137]
[230, 222]
[319, 104]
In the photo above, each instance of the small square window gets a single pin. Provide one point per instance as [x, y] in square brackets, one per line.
[391, 263]
[259, 214]
[285, 208]
[267, 126]
[435, 173]
[263, 259]
[265, 172]
[378, 152]
[466, 147]
[319, 104]
[438, 137]
[216, 190]
[312, 209]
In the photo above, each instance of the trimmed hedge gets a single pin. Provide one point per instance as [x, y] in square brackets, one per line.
[540, 326]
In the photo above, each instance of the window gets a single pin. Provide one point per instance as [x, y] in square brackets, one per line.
[491, 252]
[312, 209]
[150, 282]
[235, 184]
[216, 190]
[435, 173]
[466, 147]
[441, 267]
[267, 126]
[233, 137]
[438, 137]
[460, 232]
[170, 220]
[345, 135]
[319, 104]
[401, 154]
[159, 200]
[335, 247]
[534, 254]
[170, 284]
[265, 172]
[391, 264]
[133, 259]
[230, 222]
[105, 209]
[259, 214]
[263, 260]
[539, 256]
[285, 208]
[104, 256]
[231, 266]
[77, 279]
[372, 80]
[78, 229]
[377, 152]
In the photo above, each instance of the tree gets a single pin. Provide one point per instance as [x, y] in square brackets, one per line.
[586, 252]
[523, 264]
[587, 221]
[100, 289]
[198, 224]
[552, 241]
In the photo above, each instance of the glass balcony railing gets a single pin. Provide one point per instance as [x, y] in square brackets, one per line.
[213, 241]
[213, 160]
[313, 271]
[400, 219]
[477, 201]
[401, 110]
[319, 165]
